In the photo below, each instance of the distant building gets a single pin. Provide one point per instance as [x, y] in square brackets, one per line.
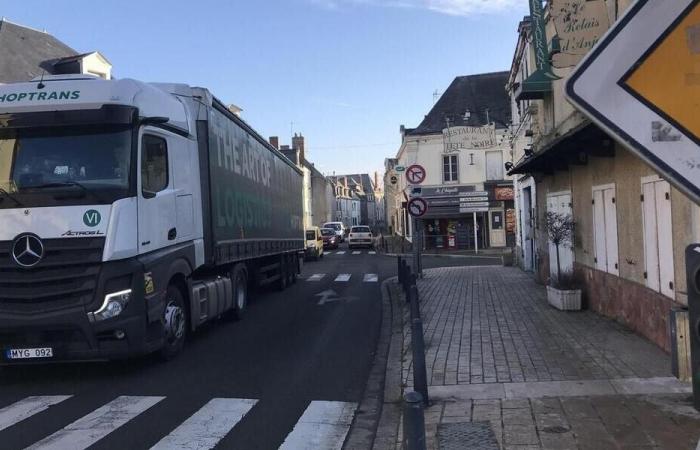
[365, 190]
[347, 201]
[462, 144]
[26, 53]
[318, 190]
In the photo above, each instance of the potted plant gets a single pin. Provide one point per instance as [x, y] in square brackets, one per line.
[561, 291]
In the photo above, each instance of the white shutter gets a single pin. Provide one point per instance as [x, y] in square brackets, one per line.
[611, 231]
[599, 230]
[494, 165]
[651, 245]
[665, 237]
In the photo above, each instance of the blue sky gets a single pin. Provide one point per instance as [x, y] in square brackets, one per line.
[346, 73]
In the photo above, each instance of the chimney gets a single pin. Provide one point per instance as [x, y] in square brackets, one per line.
[275, 142]
[298, 144]
[376, 179]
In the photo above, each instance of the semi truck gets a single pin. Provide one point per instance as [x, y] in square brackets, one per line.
[131, 214]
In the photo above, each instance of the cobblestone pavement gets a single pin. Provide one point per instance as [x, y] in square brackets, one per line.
[493, 324]
[497, 353]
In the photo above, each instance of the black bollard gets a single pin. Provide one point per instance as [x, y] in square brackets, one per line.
[420, 377]
[413, 422]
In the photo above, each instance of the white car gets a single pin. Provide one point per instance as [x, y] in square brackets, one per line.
[338, 227]
[360, 236]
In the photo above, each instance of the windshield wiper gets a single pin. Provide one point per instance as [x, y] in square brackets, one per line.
[69, 184]
[7, 194]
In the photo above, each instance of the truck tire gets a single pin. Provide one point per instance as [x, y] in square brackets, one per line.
[239, 280]
[174, 323]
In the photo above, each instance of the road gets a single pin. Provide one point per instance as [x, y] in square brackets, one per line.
[297, 358]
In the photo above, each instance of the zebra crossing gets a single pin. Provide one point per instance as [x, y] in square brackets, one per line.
[351, 252]
[344, 277]
[323, 425]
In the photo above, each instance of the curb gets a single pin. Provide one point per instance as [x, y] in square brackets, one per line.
[440, 255]
[365, 425]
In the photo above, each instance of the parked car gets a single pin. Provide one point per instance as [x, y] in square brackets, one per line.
[314, 243]
[359, 236]
[338, 227]
[330, 239]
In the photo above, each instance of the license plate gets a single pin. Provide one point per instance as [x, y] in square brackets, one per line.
[29, 353]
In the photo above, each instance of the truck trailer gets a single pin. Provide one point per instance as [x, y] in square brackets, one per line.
[132, 213]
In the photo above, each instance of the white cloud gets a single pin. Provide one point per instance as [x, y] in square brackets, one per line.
[451, 7]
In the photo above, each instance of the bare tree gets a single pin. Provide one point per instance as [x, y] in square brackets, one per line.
[560, 229]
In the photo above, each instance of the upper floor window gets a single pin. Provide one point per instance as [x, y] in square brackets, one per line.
[449, 168]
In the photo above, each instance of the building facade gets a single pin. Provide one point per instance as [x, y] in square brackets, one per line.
[363, 190]
[462, 144]
[631, 225]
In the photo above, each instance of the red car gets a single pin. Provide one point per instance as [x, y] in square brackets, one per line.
[330, 239]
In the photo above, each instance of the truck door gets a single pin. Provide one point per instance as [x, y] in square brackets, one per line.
[156, 205]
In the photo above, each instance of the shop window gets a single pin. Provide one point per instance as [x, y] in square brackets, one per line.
[605, 229]
[450, 172]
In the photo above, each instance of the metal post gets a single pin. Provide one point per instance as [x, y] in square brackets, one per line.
[692, 268]
[420, 377]
[417, 246]
[476, 236]
[413, 298]
[413, 422]
[399, 270]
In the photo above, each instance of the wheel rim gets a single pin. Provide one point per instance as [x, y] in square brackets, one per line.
[174, 322]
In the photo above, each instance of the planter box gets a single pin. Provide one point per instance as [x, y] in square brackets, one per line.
[564, 300]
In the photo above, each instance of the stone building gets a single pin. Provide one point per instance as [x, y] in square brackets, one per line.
[632, 226]
[462, 144]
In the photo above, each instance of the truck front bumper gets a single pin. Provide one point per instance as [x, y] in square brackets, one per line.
[71, 334]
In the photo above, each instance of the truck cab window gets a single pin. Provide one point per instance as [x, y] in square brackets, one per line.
[154, 165]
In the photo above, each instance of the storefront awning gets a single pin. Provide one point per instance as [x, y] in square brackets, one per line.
[574, 147]
[535, 86]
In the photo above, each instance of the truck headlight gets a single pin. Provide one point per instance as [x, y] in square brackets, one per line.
[112, 306]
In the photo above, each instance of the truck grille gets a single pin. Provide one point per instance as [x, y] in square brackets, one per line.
[65, 277]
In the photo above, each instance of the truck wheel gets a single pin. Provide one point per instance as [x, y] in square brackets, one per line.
[239, 279]
[174, 323]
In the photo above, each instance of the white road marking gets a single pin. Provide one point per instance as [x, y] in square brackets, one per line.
[26, 408]
[370, 278]
[91, 428]
[356, 252]
[205, 428]
[342, 252]
[343, 277]
[372, 253]
[323, 426]
[316, 277]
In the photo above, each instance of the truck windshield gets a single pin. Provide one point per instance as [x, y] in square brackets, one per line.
[37, 163]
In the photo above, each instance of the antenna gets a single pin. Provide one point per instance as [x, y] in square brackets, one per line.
[436, 95]
[41, 84]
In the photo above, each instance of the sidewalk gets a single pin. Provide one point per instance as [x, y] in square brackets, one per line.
[517, 374]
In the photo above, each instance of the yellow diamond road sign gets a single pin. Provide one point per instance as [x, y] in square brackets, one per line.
[641, 84]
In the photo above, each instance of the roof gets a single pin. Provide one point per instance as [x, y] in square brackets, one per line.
[362, 179]
[26, 53]
[474, 93]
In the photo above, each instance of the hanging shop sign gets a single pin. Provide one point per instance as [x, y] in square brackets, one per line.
[579, 24]
[504, 193]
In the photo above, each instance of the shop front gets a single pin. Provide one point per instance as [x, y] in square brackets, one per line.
[464, 218]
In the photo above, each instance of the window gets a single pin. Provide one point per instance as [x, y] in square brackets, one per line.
[658, 235]
[605, 229]
[494, 165]
[449, 169]
[154, 165]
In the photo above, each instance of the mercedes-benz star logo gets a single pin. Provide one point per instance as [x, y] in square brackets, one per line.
[27, 250]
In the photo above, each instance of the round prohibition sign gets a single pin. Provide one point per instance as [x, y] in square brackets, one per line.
[415, 174]
[417, 207]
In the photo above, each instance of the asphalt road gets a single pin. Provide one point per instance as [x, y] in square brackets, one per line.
[298, 359]
[287, 352]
